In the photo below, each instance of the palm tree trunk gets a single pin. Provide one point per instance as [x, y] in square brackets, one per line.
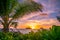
[6, 24]
[6, 28]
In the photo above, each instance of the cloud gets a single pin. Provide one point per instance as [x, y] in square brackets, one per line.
[26, 17]
[49, 8]
[46, 23]
[50, 5]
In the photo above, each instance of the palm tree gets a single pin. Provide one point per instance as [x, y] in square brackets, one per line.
[10, 10]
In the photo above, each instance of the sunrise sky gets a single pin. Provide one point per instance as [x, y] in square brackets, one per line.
[44, 19]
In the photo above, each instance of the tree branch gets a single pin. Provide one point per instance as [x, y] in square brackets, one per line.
[10, 21]
[1, 22]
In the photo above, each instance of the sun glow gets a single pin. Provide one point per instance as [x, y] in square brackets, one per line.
[33, 25]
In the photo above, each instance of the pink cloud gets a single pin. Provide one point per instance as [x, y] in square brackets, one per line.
[25, 17]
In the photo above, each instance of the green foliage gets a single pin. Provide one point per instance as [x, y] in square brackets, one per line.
[51, 34]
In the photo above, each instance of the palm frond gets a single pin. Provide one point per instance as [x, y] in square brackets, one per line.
[14, 24]
[58, 18]
[6, 6]
[27, 8]
[1, 22]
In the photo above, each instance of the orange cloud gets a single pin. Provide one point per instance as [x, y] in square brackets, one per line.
[37, 24]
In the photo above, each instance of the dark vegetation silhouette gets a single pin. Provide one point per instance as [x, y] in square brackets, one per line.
[44, 34]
